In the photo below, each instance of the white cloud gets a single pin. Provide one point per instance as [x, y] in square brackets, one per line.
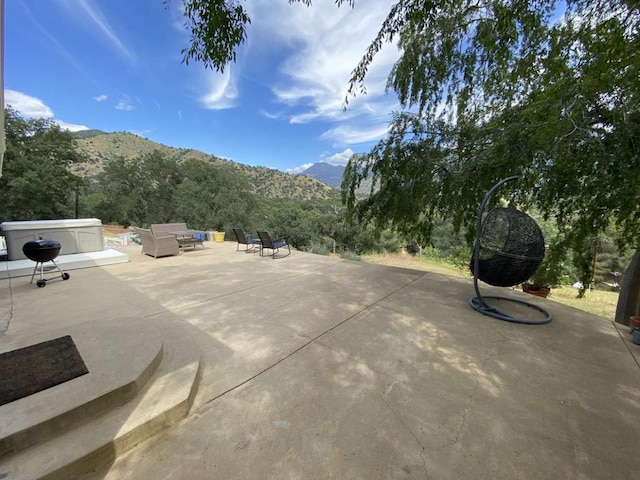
[325, 43]
[56, 45]
[339, 158]
[141, 133]
[100, 98]
[27, 105]
[124, 105]
[272, 116]
[33, 107]
[94, 20]
[298, 169]
[353, 135]
[222, 92]
[72, 127]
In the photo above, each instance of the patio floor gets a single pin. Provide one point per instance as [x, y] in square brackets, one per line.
[313, 367]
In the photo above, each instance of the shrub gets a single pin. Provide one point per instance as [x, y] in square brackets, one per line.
[347, 255]
[319, 249]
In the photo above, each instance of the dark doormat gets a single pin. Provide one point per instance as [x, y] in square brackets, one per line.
[31, 369]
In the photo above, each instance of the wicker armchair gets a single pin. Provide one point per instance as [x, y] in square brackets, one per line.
[157, 246]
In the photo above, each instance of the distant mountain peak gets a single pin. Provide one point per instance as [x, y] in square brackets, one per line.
[89, 133]
[326, 173]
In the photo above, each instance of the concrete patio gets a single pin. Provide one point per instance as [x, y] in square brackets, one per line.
[236, 366]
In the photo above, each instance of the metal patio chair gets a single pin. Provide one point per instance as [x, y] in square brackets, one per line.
[273, 244]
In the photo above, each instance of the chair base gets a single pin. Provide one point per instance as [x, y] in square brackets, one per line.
[275, 249]
[249, 247]
[478, 304]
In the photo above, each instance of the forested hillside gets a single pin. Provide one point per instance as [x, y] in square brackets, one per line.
[97, 148]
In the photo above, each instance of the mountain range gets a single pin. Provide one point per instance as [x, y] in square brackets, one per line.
[98, 147]
[326, 173]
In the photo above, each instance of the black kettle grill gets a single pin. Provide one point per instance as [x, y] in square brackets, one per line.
[42, 251]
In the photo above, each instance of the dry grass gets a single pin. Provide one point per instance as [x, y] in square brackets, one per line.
[597, 302]
[405, 260]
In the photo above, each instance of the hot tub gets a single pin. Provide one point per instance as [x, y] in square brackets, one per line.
[80, 235]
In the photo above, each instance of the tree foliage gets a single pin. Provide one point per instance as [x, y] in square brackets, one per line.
[155, 188]
[213, 196]
[139, 191]
[36, 181]
[541, 89]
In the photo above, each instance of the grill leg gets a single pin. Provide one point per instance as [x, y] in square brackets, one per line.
[34, 271]
[56, 265]
[62, 275]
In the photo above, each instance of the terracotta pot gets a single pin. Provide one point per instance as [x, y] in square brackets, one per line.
[538, 292]
[634, 322]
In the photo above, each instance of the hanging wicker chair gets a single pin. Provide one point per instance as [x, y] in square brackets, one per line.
[508, 250]
[511, 248]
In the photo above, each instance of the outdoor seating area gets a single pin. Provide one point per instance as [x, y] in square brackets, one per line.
[206, 372]
[262, 242]
[186, 238]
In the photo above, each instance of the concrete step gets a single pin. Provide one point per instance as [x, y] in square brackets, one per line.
[116, 375]
[94, 438]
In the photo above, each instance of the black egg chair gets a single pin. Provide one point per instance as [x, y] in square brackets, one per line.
[508, 250]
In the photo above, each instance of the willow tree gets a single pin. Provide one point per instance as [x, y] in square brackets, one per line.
[543, 89]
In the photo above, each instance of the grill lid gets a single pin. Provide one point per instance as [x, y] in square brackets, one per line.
[41, 250]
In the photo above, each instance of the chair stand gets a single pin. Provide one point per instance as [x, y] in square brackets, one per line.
[478, 303]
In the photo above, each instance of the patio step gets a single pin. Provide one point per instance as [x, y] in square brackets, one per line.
[157, 370]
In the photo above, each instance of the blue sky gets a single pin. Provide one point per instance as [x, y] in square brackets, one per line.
[116, 66]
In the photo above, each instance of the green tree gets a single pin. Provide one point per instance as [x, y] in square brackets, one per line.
[213, 196]
[36, 181]
[294, 222]
[539, 89]
[139, 191]
[156, 188]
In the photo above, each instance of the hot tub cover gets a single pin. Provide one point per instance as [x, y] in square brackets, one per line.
[45, 224]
